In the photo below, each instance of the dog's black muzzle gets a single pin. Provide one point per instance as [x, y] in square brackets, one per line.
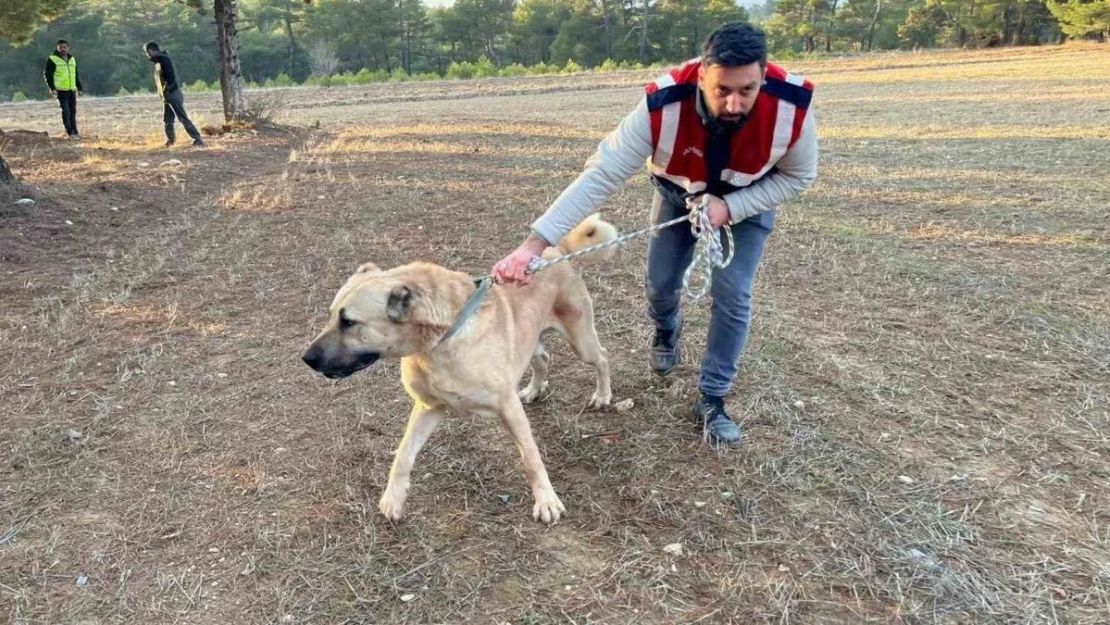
[337, 368]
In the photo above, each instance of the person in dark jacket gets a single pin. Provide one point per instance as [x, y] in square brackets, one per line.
[165, 81]
[64, 83]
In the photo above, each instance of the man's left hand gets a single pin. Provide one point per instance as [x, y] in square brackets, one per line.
[717, 210]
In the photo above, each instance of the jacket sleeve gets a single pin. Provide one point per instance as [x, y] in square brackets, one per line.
[616, 159]
[791, 175]
[48, 73]
[77, 79]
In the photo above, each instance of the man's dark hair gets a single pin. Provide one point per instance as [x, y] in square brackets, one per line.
[61, 41]
[735, 44]
[153, 46]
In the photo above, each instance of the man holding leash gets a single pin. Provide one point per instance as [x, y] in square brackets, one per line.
[730, 129]
[64, 83]
[173, 100]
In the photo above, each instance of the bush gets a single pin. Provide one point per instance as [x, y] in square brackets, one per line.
[460, 70]
[198, 86]
[283, 80]
[572, 67]
[540, 69]
[262, 107]
[123, 91]
[18, 96]
[513, 71]
[346, 78]
[399, 75]
[365, 76]
[215, 86]
[427, 76]
[485, 68]
[609, 65]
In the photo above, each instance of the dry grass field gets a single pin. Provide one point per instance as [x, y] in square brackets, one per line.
[925, 395]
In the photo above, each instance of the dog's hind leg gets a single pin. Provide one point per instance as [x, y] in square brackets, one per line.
[538, 385]
[578, 326]
[422, 422]
[548, 508]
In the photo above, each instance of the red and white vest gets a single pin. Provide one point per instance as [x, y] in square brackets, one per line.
[678, 136]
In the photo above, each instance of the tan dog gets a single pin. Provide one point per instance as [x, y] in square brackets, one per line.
[405, 311]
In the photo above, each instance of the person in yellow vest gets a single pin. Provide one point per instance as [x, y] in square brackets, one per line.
[64, 83]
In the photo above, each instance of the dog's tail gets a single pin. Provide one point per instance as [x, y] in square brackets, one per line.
[592, 231]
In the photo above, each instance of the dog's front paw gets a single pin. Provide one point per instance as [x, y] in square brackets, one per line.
[601, 400]
[532, 392]
[392, 504]
[548, 508]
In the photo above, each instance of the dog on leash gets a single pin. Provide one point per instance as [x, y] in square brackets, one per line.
[404, 312]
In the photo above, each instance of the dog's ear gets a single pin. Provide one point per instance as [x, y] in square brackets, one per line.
[399, 304]
[365, 267]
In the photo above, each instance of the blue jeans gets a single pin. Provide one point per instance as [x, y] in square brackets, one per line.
[670, 252]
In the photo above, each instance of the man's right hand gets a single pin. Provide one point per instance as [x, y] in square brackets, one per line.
[53, 93]
[513, 269]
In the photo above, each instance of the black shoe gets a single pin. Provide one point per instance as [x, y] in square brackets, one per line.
[664, 349]
[716, 425]
[168, 144]
[197, 143]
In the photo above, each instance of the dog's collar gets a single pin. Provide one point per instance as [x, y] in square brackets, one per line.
[468, 308]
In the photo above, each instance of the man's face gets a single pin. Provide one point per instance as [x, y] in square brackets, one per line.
[149, 53]
[63, 49]
[730, 92]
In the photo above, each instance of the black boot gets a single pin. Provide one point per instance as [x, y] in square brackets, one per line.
[170, 136]
[716, 425]
[664, 349]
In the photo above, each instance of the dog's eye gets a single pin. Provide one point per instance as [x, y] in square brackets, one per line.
[344, 322]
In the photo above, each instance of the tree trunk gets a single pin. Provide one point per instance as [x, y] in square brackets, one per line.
[1019, 30]
[1007, 26]
[492, 53]
[5, 173]
[874, 24]
[832, 25]
[644, 33]
[292, 42]
[231, 78]
[385, 54]
[406, 53]
[607, 23]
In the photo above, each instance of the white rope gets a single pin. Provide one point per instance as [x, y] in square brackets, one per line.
[712, 254]
[710, 257]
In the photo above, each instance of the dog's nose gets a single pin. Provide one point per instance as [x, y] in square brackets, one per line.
[313, 356]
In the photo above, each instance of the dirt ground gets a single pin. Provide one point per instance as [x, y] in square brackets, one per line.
[925, 393]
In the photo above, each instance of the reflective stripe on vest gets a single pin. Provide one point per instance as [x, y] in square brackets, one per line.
[65, 73]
